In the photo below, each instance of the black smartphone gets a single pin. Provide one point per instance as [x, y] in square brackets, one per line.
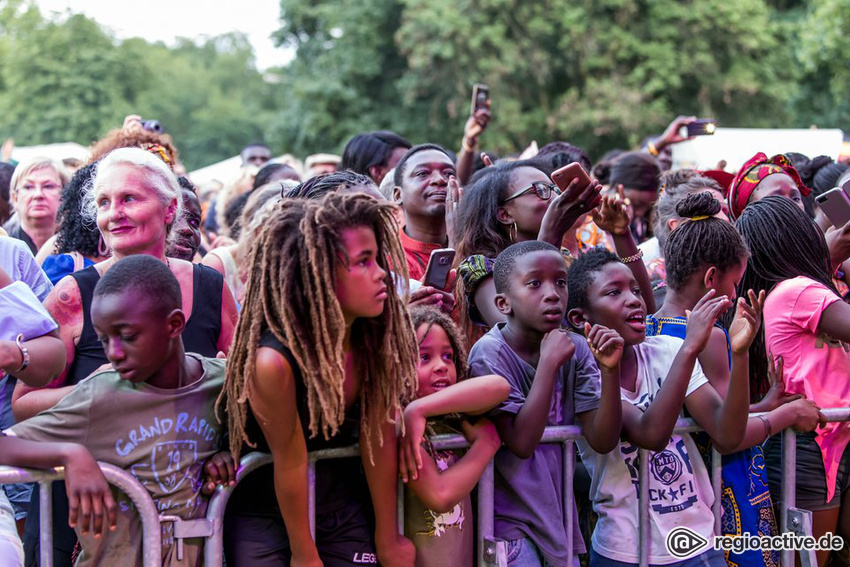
[702, 127]
[480, 96]
[439, 266]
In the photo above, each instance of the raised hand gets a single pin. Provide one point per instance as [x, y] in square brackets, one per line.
[746, 323]
[605, 344]
[475, 125]
[702, 319]
[613, 216]
[776, 395]
[565, 209]
[454, 194]
[671, 134]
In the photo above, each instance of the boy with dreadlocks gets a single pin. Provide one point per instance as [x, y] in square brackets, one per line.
[324, 356]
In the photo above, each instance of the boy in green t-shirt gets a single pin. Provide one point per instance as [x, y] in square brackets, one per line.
[153, 414]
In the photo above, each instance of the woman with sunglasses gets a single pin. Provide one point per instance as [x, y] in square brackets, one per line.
[507, 203]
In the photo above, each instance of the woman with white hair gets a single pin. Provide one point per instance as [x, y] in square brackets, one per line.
[35, 190]
[135, 199]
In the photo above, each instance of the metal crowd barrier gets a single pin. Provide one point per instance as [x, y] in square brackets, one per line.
[491, 550]
[138, 494]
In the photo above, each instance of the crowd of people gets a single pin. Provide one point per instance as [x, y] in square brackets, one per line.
[170, 329]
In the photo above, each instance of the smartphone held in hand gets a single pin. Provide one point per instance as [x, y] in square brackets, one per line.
[562, 177]
[480, 96]
[439, 266]
[702, 127]
[835, 204]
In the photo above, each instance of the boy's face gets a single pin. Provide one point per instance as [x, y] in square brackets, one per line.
[136, 336]
[614, 301]
[361, 288]
[436, 368]
[537, 294]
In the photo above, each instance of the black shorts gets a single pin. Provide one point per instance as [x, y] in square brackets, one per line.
[811, 476]
[344, 537]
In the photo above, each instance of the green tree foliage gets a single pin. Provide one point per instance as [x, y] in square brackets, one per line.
[69, 80]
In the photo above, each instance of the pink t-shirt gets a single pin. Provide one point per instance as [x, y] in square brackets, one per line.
[816, 364]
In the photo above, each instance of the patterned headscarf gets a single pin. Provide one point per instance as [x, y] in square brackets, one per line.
[757, 168]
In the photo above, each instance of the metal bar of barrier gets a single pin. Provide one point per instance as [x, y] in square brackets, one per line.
[45, 523]
[486, 491]
[127, 483]
[644, 529]
[717, 486]
[789, 486]
[565, 435]
[569, 495]
[311, 496]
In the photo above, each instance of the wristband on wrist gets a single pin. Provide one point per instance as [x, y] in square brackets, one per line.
[652, 149]
[25, 355]
[467, 146]
[768, 430]
[633, 257]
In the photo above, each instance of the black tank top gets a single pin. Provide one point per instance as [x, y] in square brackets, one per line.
[339, 482]
[200, 336]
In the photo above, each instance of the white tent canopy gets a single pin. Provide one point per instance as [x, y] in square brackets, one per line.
[55, 151]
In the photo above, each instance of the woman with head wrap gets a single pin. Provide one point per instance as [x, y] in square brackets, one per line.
[762, 177]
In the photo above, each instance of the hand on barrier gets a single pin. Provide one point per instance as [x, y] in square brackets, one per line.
[806, 415]
[89, 497]
[605, 344]
[745, 325]
[219, 470]
[410, 444]
[701, 320]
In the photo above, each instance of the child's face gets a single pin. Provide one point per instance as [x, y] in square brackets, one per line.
[136, 337]
[726, 282]
[361, 288]
[537, 294]
[436, 360]
[614, 301]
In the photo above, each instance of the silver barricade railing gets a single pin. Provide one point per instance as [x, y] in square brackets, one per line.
[490, 549]
[127, 483]
[793, 519]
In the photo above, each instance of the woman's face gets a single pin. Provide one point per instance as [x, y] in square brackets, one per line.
[641, 201]
[130, 215]
[778, 185]
[37, 197]
[528, 209]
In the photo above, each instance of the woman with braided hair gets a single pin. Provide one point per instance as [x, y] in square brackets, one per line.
[807, 330]
[324, 356]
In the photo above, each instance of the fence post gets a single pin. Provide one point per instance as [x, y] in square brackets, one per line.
[145, 506]
[717, 486]
[486, 509]
[789, 485]
[644, 530]
[569, 495]
[45, 522]
[311, 496]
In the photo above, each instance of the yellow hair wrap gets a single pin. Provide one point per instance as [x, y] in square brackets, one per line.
[699, 217]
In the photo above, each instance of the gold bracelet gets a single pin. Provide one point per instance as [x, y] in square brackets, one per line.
[653, 151]
[632, 258]
[25, 354]
[466, 146]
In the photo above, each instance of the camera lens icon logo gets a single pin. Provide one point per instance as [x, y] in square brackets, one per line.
[683, 542]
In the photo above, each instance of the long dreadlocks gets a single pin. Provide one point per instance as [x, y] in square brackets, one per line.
[784, 243]
[290, 291]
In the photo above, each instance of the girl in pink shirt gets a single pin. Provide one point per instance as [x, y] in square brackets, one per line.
[806, 329]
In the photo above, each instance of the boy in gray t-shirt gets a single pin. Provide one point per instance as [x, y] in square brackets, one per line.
[153, 415]
[553, 378]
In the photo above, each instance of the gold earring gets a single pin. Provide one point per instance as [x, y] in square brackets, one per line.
[515, 234]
